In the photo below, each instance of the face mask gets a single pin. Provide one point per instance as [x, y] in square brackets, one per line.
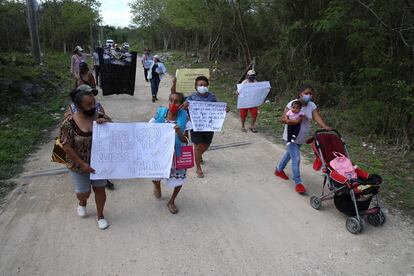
[173, 108]
[307, 98]
[202, 89]
[252, 78]
[89, 112]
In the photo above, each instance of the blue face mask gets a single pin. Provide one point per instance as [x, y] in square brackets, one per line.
[307, 98]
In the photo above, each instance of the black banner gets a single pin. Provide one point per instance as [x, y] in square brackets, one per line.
[117, 72]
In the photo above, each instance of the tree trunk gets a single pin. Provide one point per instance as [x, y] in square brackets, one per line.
[185, 47]
[166, 41]
[210, 40]
[196, 42]
[243, 37]
[91, 34]
[7, 35]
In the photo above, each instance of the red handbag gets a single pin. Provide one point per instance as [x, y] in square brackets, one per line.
[186, 160]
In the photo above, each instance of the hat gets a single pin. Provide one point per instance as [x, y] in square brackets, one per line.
[251, 72]
[78, 48]
[157, 56]
[84, 88]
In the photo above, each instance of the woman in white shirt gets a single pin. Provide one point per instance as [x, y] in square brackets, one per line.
[155, 73]
[311, 112]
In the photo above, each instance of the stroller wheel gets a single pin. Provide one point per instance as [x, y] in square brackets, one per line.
[382, 217]
[376, 219]
[354, 225]
[315, 202]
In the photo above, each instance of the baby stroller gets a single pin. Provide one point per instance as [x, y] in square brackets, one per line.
[351, 196]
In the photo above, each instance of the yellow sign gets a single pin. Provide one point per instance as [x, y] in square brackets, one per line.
[186, 78]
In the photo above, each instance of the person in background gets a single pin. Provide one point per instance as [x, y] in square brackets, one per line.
[78, 57]
[72, 109]
[173, 114]
[250, 78]
[96, 66]
[311, 112]
[85, 77]
[146, 61]
[155, 73]
[201, 139]
[76, 137]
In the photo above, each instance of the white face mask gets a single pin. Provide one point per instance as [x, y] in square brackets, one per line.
[202, 89]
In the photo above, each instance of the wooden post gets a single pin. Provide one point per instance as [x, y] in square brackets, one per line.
[34, 37]
[252, 65]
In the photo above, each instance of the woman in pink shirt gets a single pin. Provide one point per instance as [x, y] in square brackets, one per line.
[78, 57]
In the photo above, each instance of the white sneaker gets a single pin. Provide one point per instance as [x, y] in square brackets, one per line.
[103, 224]
[81, 211]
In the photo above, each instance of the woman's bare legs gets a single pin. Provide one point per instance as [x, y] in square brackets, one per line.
[100, 199]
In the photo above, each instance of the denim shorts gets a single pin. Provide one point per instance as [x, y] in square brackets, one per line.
[82, 183]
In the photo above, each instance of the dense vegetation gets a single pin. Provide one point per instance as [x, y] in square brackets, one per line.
[358, 53]
[33, 99]
[62, 24]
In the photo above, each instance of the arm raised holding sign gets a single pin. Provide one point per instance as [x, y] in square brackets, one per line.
[252, 108]
[202, 139]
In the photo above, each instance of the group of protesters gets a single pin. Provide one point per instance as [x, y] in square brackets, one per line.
[76, 130]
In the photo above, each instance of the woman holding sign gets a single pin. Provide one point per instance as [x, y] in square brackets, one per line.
[76, 138]
[174, 115]
[201, 140]
[72, 109]
[251, 78]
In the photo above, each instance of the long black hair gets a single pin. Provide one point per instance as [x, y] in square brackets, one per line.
[304, 86]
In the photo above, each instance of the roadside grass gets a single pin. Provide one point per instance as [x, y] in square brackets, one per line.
[395, 165]
[33, 100]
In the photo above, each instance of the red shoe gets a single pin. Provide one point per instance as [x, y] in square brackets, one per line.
[300, 189]
[281, 174]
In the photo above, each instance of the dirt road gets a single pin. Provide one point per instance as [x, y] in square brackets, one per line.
[239, 220]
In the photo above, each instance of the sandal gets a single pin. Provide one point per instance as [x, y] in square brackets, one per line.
[172, 208]
[243, 129]
[200, 174]
[252, 129]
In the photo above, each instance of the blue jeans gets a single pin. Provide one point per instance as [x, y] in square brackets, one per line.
[155, 84]
[292, 152]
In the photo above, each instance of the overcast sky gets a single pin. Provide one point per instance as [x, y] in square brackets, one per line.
[116, 12]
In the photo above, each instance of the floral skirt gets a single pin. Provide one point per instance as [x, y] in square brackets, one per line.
[177, 178]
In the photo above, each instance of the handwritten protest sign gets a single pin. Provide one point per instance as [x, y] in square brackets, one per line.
[207, 116]
[252, 94]
[186, 78]
[132, 150]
